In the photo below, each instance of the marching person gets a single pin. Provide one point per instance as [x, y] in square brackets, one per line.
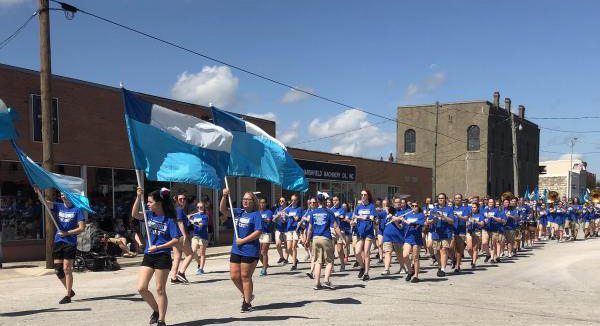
[511, 227]
[265, 237]
[413, 240]
[441, 223]
[184, 246]
[542, 222]
[157, 262]
[474, 229]
[343, 223]
[245, 249]
[71, 222]
[364, 216]
[461, 215]
[280, 229]
[200, 236]
[495, 220]
[393, 236]
[321, 221]
[293, 215]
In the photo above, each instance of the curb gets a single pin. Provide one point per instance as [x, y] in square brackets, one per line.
[128, 262]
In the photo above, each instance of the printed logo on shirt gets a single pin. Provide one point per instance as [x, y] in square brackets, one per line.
[364, 212]
[66, 217]
[157, 227]
[243, 222]
[319, 218]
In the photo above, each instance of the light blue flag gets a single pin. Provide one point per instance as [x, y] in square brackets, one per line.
[7, 127]
[254, 153]
[526, 193]
[71, 187]
[175, 147]
[536, 193]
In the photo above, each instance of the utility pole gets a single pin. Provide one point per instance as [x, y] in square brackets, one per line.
[46, 101]
[513, 126]
[569, 186]
[435, 144]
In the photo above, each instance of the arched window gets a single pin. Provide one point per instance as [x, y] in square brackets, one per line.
[473, 138]
[410, 141]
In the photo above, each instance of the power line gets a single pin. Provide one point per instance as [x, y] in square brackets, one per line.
[572, 131]
[564, 118]
[16, 33]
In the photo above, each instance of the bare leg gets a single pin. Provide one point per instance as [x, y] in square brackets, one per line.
[236, 276]
[246, 274]
[161, 276]
[144, 276]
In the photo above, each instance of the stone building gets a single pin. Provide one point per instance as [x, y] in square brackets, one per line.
[554, 176]
[474, 152]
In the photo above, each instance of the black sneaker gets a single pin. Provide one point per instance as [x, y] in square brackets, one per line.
[456, 270]
[281, 260]
[153, 318]
[497, 260]
[441, 273]
[246, 307]
[409, 276]
[161, 323]
[415, 280]
[328, 285]
[366, 277]
[361, 273]
[317, 287]
[294, 267]
[472, 266]
[66, 299]
[72, 294]
[355, 264]
[487, 258]
[175, 281]
[181, 277]
[310, 275]
[453, 264]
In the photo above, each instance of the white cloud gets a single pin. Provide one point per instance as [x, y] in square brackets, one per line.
[216, 85]
[425, 86]
[267, 116]
[352, 133]
[293, 96]
[568, 156]
[291, 135]
[10, 3]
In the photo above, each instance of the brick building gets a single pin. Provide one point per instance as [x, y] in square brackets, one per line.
[474, 154]
[554, 176]
[91, 142]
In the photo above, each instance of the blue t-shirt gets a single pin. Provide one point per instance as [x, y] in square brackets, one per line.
[543, 216]
[267, 217]
[559, 216]
[393, 232]
[472, 225]
[441, 230]
[181, 217]
[413, 228]
[381, 217]
[322, 220]
[364, 224]
[492, 225]
[247, 223]
[460, 226]
[200, 231]
[511, 222]
[294, 215]
[340, 215]
[280, 223]
[162, 230]
[67, 219]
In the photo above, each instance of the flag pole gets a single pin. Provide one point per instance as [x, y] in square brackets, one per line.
[138, 174]
[235, 231]
[43, 201]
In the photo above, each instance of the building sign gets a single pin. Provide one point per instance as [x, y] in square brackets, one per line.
[327, 171]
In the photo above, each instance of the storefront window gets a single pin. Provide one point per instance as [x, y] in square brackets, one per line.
[124, 194]
[100, 194]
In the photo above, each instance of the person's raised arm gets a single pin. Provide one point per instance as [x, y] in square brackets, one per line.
[135, 210]
[223, 203]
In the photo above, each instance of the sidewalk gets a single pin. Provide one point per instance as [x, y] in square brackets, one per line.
[38, 268]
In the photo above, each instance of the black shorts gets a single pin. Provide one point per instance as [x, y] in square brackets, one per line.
[63, 250]
[158, 261]
[237, 259]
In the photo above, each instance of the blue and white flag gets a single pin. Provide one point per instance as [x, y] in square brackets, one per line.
[175, 147]
[536, 194]
[7, 127]
[71, 187]
[254, 153]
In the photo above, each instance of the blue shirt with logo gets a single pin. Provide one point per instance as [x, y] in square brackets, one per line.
[363, 212]
[267, 218]
[162, 230]
[322, 220]
[440, 229]
[181, 217]
[280, 223]
[200, 231]
[460, 226]
[247, 223]
[413, 228]
[294, 215]
[492, 225]
[67, 219]
[340, 214]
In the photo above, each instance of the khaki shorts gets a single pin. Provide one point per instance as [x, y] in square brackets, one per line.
[497, 237]
[339, 240]
[392, 246]
[265, 238]
[198, 242]
[460, 242]
[474, 237]
[567, 224]
[439, 244]
[291, 236]
[280, 235]
[586, 225]
[509, 235]
[322, 249]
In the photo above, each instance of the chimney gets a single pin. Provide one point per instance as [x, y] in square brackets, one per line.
[497, 99]
[507, 104]
[522, 112]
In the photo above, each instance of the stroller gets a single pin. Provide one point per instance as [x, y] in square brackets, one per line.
[92, 251]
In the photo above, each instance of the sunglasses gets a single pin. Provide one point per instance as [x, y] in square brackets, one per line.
[363, 194]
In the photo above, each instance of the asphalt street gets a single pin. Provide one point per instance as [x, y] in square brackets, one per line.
[550, 284]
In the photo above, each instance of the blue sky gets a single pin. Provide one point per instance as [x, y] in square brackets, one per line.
[372, 55]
